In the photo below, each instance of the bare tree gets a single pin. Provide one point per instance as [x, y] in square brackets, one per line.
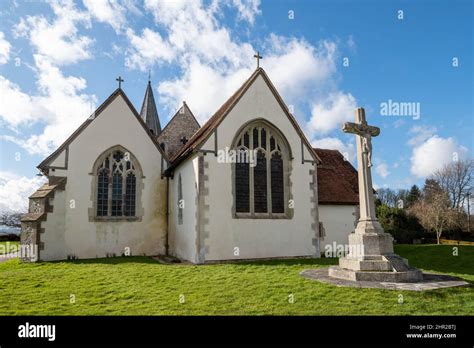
[435, 213]
[387, 196]
[456, 179]
[12, 219]
[392, 198]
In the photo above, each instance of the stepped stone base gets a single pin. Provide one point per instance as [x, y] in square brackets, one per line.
[371, 258]
[379, 268]
[411, 276]
[428, 282]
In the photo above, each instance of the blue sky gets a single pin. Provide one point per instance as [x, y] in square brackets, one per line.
[58, 61]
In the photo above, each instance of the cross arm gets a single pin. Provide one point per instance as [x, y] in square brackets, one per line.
[360, 129]
[350, 127]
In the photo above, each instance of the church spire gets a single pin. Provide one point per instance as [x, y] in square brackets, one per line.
[149, 113]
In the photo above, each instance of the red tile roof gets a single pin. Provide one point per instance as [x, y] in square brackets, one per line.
[337, 179]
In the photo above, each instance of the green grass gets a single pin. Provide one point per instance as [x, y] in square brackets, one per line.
[142, 286]
[7, 247]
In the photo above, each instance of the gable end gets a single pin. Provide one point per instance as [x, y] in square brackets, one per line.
[45, 164]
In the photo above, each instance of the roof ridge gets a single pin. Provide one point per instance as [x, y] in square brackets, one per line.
[176, 114]
[227, 106]
[191, 112]
[219, 111]
[91, 118]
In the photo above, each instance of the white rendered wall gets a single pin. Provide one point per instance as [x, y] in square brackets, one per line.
[54, 236]
[338, 222]
[257, 238]
[116, 125]
[182, 237]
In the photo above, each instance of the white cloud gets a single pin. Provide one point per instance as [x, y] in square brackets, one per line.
[57, 100]
[147, 49]
[59, 105]
[213, 63]
[382, 170]
[420, 134]
[5, 47]
[203, 88]
[332, 112]
[248, 9]
[347, 149]
[296, 66]
[16, 107]
[107, 11]
[15, 190]
[433, 154]
[194, 32]
[315, 64]
[58, 41]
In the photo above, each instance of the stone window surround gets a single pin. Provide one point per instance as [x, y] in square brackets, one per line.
[287, 168]
[139, 211]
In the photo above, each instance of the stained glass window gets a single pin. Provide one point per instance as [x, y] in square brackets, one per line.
[260, 187]
[116, 185]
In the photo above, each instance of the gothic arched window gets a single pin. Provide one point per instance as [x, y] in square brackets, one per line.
[261, 172]
[116, 172]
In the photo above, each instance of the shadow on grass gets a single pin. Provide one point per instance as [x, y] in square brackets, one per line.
[147, 259]
[288, 262]
[111, 260]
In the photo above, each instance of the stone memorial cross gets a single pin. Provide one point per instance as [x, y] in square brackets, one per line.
[364, 134]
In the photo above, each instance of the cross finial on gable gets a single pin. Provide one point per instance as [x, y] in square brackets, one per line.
[149, 75]
[120, 80]
[258, 56]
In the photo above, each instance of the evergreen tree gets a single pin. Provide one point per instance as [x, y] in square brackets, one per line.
[413, 195]
[431, 189]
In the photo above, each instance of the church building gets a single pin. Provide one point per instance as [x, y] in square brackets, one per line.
[123, 185]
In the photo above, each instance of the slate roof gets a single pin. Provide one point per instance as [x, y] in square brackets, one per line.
[183, 124]
[148, 112]
[205, 131]
[337, 179]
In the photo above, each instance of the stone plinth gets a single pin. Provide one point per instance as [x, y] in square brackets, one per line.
[371, 258]
[383, 270]
[428, 281]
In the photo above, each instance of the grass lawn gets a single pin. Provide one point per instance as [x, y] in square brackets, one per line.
[142, 286]
[7, 247]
